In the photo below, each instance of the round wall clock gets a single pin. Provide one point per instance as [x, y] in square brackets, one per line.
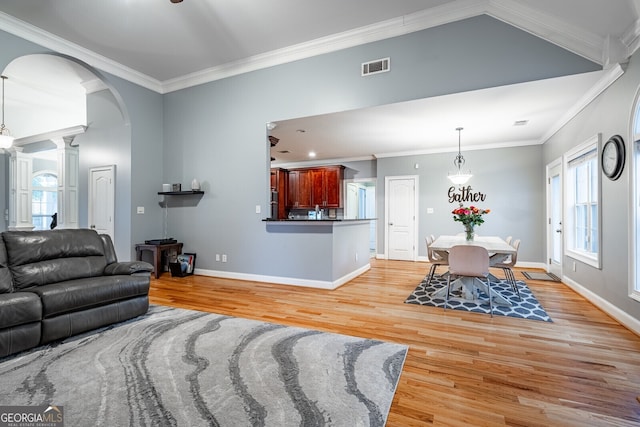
[613, 157]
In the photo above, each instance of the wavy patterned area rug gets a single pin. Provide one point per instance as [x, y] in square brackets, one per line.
[528, 308]
[182, 367]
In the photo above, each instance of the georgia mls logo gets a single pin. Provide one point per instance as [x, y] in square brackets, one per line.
[31, 416]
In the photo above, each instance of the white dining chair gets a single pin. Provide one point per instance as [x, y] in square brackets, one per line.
[469, 261]
[508, 265]
[436, 258]
[499, 258]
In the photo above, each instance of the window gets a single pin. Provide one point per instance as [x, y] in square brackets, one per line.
[583, 209]
[634, 290]
[44, 199]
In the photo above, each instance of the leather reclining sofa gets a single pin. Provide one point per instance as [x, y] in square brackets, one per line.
[59, 283]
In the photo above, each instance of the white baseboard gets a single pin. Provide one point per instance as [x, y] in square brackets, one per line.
[627, 321]
[319, 284]
[524, 264]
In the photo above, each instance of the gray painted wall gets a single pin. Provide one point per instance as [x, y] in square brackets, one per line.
[216, 132]
[137, 141]
[609, 114]
[512, 179]
[4, 183]
[105, 142]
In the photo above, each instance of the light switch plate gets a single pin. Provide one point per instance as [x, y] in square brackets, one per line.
[140, 210]
[258, 210]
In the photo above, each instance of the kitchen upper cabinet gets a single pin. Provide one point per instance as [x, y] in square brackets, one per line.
[320, 186]
[327, 186]
[299, 194]
[279, 190]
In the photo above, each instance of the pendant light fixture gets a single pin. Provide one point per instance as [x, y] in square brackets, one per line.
[459, 177]
[6, 140]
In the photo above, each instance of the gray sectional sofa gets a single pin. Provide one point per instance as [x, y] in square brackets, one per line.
[58, 283]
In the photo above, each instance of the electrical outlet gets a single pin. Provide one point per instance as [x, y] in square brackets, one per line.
[217, 257]
[574, 266]
[429, 210]
[140, 210]
[224, 257]
[356, 256]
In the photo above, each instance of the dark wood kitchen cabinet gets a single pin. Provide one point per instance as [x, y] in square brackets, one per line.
[320, 186]
[299, 191]
[327, 186]
[279, 189]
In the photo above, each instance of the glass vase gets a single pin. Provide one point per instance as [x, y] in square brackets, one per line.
[468, 232]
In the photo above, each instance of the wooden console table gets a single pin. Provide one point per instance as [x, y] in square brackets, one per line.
[157, 251]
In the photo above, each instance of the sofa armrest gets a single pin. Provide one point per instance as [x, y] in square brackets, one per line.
[127, 268]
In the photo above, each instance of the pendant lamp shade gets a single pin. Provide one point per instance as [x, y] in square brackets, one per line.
[459, 177]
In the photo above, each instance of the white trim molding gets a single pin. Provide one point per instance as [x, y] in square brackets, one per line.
[306, 283]
[36, 35]
[577, 40]
[620, 316]
[601, 85]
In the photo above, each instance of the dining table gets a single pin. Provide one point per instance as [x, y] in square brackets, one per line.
[470, 286]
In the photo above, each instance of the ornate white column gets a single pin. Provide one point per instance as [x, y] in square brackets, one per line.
[20, 175]
[68, 191]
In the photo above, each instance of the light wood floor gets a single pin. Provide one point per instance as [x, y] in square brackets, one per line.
[462, 368]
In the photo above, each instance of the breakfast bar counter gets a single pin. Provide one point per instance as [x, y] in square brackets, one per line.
[322, 253]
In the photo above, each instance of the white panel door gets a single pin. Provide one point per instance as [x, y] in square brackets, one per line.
[101, 199]
[554, 219]
[401, 218]
[352, 201]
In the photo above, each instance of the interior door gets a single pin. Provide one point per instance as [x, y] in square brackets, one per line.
[351, 209]
[101, 199]
[401, 218]
[554, 218]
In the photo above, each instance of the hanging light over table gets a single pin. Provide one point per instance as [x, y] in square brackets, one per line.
[459, 177]
[6, 140]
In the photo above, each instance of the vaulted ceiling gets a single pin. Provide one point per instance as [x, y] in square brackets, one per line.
[165, 47]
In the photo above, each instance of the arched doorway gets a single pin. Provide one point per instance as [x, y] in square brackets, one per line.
[55, 103]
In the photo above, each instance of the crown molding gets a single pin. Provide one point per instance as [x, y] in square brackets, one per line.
[631, 37]
[547, 27]
[449, 12]
[607, 79]
[57, 44]
[574, 39]
[584, 43]
[493, 146]
[322, 162]
[60, 133]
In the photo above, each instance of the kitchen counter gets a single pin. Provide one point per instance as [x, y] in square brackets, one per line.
[315, 220]
[321, 253]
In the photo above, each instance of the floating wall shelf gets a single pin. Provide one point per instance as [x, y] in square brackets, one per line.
[180, 193]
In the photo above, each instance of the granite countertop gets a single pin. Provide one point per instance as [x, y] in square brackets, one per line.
[316, 220]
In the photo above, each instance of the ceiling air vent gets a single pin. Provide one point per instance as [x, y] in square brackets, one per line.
[375, 67]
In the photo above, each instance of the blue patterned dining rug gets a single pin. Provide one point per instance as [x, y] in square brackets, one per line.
[527, 308]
